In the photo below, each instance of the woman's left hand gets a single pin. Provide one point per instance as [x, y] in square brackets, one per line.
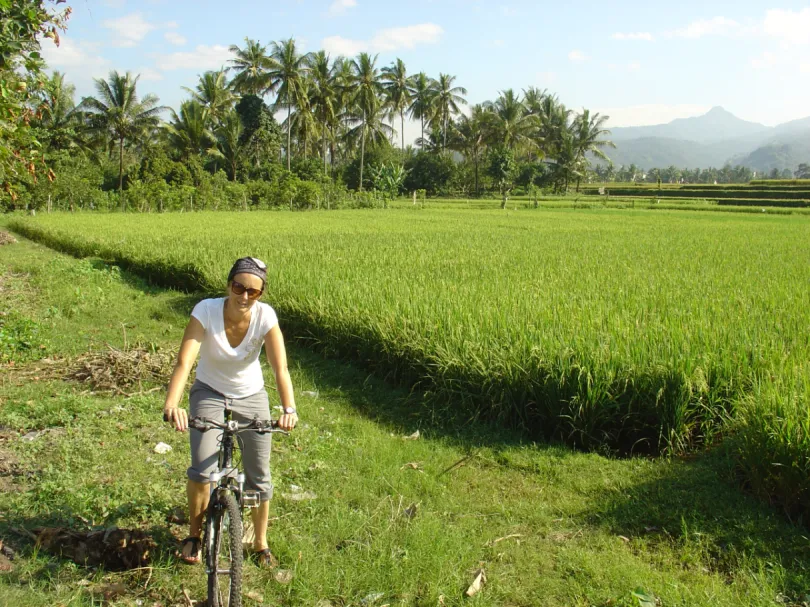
[288, 421]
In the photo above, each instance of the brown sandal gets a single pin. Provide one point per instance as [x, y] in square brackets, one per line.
[194, 556]
[265, 559]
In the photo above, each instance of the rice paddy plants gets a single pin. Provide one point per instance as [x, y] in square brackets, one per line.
[390, 519]
[627, 330]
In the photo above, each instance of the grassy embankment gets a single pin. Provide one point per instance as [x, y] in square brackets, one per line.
[581, 529]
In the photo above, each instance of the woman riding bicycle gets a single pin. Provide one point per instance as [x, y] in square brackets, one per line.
[228, 334]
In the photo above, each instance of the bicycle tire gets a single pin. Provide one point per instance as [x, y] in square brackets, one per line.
[223, 533]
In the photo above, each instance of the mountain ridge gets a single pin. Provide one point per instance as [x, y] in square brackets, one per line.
[713, 139]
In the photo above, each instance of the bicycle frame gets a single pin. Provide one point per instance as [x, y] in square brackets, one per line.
[227, 476]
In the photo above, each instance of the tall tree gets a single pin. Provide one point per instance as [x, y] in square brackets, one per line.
[509, 124]
[252, 67]
[323, 96]
[366, 99]
[423, 95]
[554, 119]
[214, 93]
[533, 100]
[448, 98]
[343, 82]
[57, 113]
[189, 131]
[229, 147]
[23, 25]
[287, 75]
[588, 136]
[468, 137]
[397, 89]
[119, 115]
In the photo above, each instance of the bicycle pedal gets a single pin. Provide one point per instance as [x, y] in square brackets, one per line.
[250, 499]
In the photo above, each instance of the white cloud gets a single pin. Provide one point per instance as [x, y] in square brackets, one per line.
[129, 29]
[634, 66]
[175, 38]
[81, 62]
[718, 26]
[789, 26]
[641, 115]
[339, 7]
[577, 56]
[70, 54]
[385, 40]
[148, 74]
[646, 36]
[203, 57]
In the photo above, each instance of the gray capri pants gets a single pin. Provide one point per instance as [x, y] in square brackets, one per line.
[204, 401]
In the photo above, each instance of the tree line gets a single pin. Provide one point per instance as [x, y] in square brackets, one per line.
[672, 174]
[338, 131]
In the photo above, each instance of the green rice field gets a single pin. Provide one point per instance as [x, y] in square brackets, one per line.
[630, 331]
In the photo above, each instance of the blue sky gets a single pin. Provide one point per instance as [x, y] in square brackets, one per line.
[639, 62]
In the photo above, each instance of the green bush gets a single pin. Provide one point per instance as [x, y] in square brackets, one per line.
[20, 339]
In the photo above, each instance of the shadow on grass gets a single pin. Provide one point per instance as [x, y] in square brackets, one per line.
[692, 505]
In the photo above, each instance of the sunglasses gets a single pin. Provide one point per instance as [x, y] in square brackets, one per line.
[238, 288]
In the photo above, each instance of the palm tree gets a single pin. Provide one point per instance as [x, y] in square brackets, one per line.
[189, 132]
[287, 75]
[366, 98]
[57, 113]
[303, 121]
[398, 91]
[343, 79]
[323, 96]
[554, 118]
[509, 124]
[468, 137]
[533, 100]
[119, 115]
[423, 94]
[448, 98]
[252, 66]
[228, 136]
[587, 133]
[214, 93]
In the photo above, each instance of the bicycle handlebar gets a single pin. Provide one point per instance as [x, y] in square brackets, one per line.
[262, 426]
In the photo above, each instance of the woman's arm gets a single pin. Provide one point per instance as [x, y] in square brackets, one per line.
[189, 348]
[277, 357]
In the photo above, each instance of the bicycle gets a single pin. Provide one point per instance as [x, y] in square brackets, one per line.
[223, 517]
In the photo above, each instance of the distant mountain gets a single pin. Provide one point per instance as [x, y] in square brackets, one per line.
[716, 125]
[781, 153]
[648, 152]
[713, 139]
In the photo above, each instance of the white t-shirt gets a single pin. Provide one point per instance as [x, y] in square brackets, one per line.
[234, 372]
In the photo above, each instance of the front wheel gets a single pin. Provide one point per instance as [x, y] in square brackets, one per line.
[223, 544]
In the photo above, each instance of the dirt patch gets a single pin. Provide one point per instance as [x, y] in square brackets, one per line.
[6, 238]
[122, 372]
[113, 549]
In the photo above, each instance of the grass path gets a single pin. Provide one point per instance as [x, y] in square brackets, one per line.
[581, 529]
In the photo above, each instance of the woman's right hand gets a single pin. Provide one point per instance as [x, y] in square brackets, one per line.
[176, 416]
